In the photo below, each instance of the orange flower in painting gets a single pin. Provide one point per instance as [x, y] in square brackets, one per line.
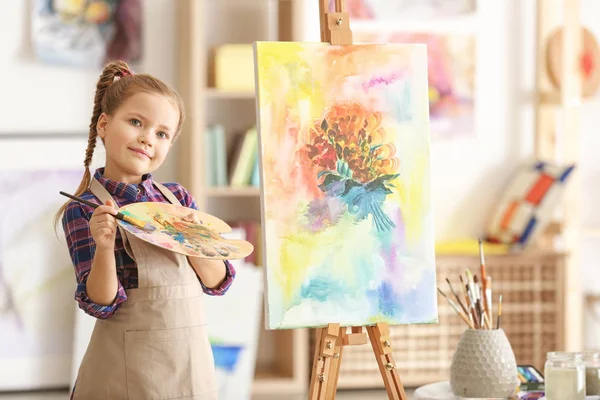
[353, 162]
[349, 134]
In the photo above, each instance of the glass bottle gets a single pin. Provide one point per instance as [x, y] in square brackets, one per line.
[591, 360]
[564, 376]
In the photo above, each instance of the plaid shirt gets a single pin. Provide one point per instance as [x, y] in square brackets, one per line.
[82, 247]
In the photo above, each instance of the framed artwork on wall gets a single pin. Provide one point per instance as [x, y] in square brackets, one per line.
[407, 9]
[449, 29]
[37, 281]
[87, 33]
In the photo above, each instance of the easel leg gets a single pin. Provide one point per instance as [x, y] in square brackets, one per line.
[327, 341]
[334, 368]
[382, 347]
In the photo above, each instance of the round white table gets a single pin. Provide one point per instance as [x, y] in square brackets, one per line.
[442, 391]
[435, 391]
[438, 391]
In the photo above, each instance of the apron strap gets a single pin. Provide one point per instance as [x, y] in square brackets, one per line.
[167, 193]
[102, 194]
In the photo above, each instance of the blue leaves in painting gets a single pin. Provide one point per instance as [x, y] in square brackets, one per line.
[362, 199]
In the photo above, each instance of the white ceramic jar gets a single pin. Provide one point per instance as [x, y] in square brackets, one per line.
[564, 375]
[484, 365]
[591, 360]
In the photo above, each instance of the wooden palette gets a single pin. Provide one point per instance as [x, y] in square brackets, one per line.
[201, 240]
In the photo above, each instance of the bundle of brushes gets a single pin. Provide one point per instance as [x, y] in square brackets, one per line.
[477, 308]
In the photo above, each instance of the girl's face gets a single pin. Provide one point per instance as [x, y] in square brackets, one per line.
[138, 136]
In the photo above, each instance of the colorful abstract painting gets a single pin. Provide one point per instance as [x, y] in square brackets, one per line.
[344, 155]
[451, 76]
[174, 233]
[87, 33]
[406, 9]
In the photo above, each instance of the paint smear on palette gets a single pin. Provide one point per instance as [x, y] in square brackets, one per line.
[344, 149]
[192, 239]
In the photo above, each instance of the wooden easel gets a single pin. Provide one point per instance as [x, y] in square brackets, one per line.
[331, 340]
[328, 357]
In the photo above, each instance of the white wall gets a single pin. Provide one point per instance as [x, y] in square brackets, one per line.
[41, 98]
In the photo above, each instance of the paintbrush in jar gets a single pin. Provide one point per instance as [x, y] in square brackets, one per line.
[457, 309]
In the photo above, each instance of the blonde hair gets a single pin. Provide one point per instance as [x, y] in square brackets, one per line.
[116, 84]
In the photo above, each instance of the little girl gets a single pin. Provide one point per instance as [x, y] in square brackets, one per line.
[150, 339]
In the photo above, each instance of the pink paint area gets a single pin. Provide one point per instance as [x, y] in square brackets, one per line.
[392, 244]
[323, 213]
[381, 80]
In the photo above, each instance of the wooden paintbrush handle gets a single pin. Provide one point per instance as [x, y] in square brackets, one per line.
[467, 320]
[88, 203]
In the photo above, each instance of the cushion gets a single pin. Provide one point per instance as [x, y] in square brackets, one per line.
[528, 205]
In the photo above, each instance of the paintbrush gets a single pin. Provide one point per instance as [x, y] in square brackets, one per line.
[482, 262]
[477, 287]
[473, 313]
[456, 309]
[127, 218]
[486, 322]
[472, 308]
[464, 291]
[456, 295]
[471, 283]
[480, 313]
[484, 281]
[479, 302]
[488, 298]
[499, 312]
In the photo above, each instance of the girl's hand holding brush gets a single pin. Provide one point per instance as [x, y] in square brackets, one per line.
[103, 226]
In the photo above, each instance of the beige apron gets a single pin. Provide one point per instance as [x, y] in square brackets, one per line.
[156, 345]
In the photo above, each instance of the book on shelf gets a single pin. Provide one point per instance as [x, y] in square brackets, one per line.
[255, 178]
[243, 164]
[215, 156]
[219, 147]
[236, 168]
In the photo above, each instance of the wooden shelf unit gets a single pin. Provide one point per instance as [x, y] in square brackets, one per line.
[560, 141]
[282, 362]
[212, 93]
[234, 191]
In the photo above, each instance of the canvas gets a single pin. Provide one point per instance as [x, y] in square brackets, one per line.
[450, 73]
[173, 233]
[344, 162]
